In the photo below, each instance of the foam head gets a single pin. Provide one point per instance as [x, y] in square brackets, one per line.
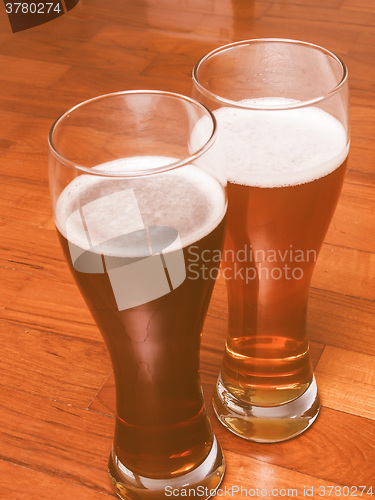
[272, 148]
[95, 212]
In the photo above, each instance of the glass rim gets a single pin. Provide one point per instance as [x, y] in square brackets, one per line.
[299, 104]
[139, 172]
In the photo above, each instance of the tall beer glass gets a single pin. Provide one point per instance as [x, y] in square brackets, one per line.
[282, 113]
[130, 199]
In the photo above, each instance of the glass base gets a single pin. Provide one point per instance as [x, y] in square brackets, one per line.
[205, 479]
[263, 424]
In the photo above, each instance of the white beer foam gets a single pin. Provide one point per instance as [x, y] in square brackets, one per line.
[186, 198]
[275, 148]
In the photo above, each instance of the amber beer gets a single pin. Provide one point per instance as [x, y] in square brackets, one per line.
[161, 429]
[282, 112]
[284, 183]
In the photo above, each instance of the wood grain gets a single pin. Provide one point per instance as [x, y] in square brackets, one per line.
[52, 55]
[322, 13]
[254, 477]
[354, 219]
[17, 481]
[44, 73]
[57, 396]
[11, 283]
[31, 249]
[339, 448]
[54, 438]
[346, 379]
[353, 317]
[24, 203]
[61, 309]
[346, 271]
[29, 354]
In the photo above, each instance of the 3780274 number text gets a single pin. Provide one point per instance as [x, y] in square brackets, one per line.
[345, 491]
[32, 8]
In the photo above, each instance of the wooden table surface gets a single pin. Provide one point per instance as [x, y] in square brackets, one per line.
[56, 385]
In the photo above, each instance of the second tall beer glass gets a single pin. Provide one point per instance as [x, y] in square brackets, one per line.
[130, 198]
[282, 113]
